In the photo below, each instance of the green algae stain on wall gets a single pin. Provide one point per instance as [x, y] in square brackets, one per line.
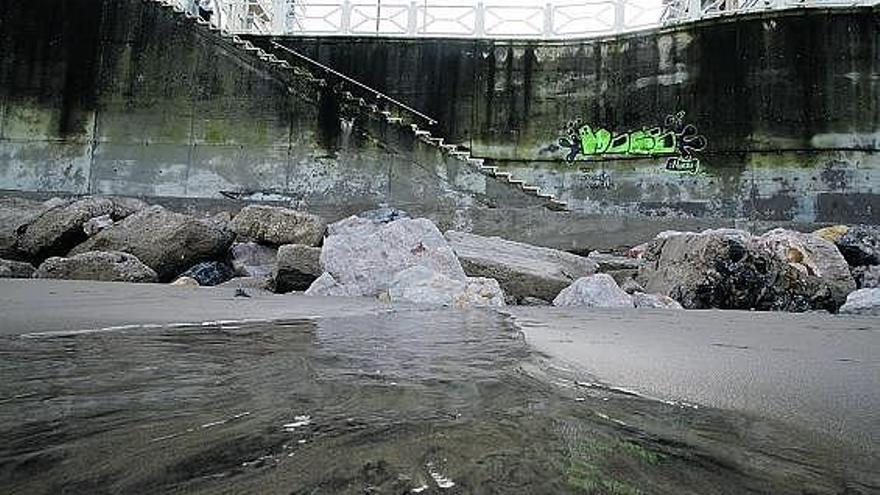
[224, 132]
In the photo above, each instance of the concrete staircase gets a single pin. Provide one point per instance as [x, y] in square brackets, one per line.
[347, 89]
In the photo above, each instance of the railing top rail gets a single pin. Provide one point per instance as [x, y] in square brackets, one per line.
[551, 19]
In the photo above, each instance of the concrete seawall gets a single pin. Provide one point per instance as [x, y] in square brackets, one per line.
[127, 97]
[788, 104]
[124, 97]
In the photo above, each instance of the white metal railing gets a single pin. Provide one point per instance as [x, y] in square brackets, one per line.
[242, 16]
[488, 18]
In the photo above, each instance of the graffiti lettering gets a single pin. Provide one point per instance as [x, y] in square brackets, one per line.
[679, 164]
[675, 139]
[600, 180]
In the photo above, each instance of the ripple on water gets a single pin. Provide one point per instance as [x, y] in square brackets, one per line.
[417, 402]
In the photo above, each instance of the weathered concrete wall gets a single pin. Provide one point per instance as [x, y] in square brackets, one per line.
[126, 97]
[121, 96]
[788, 103]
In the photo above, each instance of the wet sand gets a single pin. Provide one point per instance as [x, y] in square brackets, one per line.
[34, 306]
[813, 370]
[820, 371]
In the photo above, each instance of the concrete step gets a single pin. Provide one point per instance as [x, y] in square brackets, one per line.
[557, 205]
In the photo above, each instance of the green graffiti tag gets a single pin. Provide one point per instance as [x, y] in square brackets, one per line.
[674, 139]
[654, 141]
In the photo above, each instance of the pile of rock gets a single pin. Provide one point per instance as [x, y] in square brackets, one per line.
[122, 239]
[780, 270]
[386, 254]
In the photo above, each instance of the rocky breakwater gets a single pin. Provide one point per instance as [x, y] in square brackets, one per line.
[386, 254]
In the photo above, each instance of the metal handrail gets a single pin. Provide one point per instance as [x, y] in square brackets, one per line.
[378, 94]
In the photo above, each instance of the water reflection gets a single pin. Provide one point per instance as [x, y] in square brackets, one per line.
[415, 402]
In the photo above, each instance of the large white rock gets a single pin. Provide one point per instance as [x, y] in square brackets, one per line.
[419, 284]
[862, 302]
[364, 256]
[595, 291]
[522, 270]
[326, 285]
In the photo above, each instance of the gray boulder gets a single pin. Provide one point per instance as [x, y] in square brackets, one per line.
[365, 256]
[595, 291]
[815, 256]
[57, 230]
[521, 269]
[15, 214]
[730, 269]
[97, 224]
[250, 259]
[296, 268]
[860, 245]
[654, 301]
[533, 301]
[167, 242]
[258, 283]
[15, 269]
[867, 277]
[422, 285]
[97, 265]
[383, 215]
[209, 273]
[630, 286]
[862, 302]
[276, 225]
[606, 262]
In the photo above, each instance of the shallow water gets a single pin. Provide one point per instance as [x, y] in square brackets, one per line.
[412, 402]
